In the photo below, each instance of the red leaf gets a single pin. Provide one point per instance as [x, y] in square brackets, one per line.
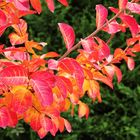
[52, 64]
[3, 18]
[17, 55]
[67, 125]
[131, 23]
[133, 7]
[21, 4]
[2, 29]
[118, 73]
[73, 68]
[22, 99]
[36, 5]
[35, 122]
[63, 85]
[64, 2]
[46, 123]
[68, 34]
[112, 27]
[15, 39]
[14, 75]
[132, 41]
[101, 15]
[13, 120]
[130, 63]
[122, 4]
[136, 48]
[4, 118]
[49, 54]
[42, 83]
[109, 71]
[103, 49]
[51, 5]
[88, 44]
[7, 117]
[53, 130]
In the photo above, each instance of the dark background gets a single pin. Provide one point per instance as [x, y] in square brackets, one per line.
[118, 116]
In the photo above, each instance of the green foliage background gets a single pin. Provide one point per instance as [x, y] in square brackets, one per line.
[118, 116]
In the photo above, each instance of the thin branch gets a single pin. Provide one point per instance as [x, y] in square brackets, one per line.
[111, 37]
[92, 34]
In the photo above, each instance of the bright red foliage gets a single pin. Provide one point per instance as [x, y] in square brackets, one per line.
[38, 90]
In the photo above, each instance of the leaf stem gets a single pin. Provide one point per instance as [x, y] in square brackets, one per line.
[111, 37]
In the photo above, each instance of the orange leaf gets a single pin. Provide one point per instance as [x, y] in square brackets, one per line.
[35, 121]
[30, 45]
[22, 99]
[64, 2]
[36, 5]
[49, 54]
[102, 78]
[83, 110]
[15, 39]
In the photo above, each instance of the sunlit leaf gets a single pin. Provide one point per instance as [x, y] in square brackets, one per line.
[14, 75]
[68, 34]
[83, 110]
[36, 5]
[122, 4]
[130, 63]
[101, 15]
[73, 68]
[131, 23]
[22, 99]
[42, 83]
[51, 5]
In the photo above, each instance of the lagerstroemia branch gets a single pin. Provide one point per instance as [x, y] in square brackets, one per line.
[36, 93]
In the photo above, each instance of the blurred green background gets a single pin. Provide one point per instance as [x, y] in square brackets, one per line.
[118, 116]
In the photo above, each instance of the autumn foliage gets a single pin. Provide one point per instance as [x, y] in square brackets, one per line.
[37, 88]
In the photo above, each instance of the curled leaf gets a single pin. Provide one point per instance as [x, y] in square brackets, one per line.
[68, 34]
[83, 110]
[101, 15]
